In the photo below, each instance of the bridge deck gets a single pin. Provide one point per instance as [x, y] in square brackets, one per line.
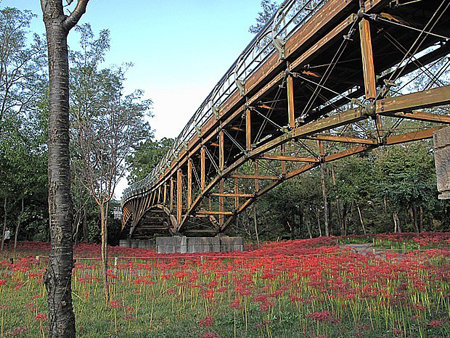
[332, 90]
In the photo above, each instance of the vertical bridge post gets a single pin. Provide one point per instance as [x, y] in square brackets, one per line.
[290, 97]
[367, 60]
[248, 130]
[179, 196]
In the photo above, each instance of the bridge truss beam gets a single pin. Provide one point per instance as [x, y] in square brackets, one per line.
[341, 89]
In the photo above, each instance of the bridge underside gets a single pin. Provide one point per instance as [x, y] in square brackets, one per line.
[349, 77]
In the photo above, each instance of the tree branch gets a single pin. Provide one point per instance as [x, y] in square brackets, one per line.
[73, 18]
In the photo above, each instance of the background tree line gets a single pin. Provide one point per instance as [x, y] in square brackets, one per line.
[106, 125]
[389, 189]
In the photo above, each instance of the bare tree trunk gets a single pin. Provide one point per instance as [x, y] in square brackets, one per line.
[104, 237]
[325, 200]
[58, 277]
[344, 218]
[5, 216]
[256, 224]
[76, 229]
[338, 203]
[397, 227]
[308, 225]
[361, 219]
[318, 221]
[85, 227]
[420, 219]
[413, 213]
[19, 222]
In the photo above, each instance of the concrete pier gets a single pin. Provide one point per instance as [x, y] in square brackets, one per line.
[137, 243]
[442, 159]
[183, 244]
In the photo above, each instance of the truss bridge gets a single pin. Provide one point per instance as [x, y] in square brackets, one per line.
[322, 81]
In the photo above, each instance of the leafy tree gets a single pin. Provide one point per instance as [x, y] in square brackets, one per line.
[407, 179]
[58, 276]
[22, 88]
[21, 65]
[269, 8]
[353, 188]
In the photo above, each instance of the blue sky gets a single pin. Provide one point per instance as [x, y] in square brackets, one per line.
[180, 49]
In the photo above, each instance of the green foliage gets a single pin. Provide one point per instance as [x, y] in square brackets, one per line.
[23, 131]
[396, 179]
[269, 8]
[146, 156]
[406, 175]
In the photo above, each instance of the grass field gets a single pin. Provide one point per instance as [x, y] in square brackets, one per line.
[301, 288]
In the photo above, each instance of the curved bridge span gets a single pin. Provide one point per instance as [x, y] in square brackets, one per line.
[322, 81]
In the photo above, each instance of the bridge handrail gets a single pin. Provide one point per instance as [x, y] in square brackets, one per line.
[291, 15]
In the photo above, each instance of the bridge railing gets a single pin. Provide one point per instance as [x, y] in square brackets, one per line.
[291, 15]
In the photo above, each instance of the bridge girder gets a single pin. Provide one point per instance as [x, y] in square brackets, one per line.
[334, 87]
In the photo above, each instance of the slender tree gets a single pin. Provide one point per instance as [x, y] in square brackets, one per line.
[107, 126]
[58, 276]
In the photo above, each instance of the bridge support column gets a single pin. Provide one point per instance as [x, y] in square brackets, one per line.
[290, 97]
[189, 184]
[202, 168]
[442, 158]
[172, 183]
[367, 60]
[179, 196]
[248, 130]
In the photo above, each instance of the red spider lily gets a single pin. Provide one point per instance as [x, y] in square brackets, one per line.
[324, 316]
[436, 323]
[41, 317]
[30, 305]
[236, 304]
[210, 335]
[17, 331]
[397, 332]
[212, 284]
[312, 278]
[266, 305]
[209, 294]
[206, 322]
[263, 323]
[114, 303]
